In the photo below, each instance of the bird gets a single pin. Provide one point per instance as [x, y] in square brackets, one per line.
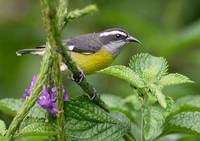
[92, 51]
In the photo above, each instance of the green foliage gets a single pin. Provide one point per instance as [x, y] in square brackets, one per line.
[112, 101]
[187, 102]
[124, 73]
[184, 122]
[2, 128]
[10, 106]
[168, 35]
[86, 121]
[152, 73]
[150, 68]
[154, 118]
[36, 127]
[158, 122]
[161, 98]
[147, 73]
[174, 79]
[37, 112]
[184, 117]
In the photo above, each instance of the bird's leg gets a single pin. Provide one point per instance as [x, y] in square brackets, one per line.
[78, 78]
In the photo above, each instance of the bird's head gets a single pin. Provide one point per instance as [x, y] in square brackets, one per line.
[114, 39]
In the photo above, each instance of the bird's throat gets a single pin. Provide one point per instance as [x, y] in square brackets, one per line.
[115, 47]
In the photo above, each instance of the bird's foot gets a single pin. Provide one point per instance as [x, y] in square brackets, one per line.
[78, 78]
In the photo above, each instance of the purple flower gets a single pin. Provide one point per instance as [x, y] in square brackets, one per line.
[29, 90]
[47, 99]
[44, 99]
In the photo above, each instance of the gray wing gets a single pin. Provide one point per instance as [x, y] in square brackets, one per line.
[85, 44]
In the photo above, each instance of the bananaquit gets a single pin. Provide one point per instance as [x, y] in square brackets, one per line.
[91, 52]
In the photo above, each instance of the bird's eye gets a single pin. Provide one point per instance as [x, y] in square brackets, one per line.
[118, 36]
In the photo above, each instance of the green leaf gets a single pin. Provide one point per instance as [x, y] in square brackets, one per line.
[37, 112]
[154, 118]
[149, 68]
[187, 103]
[174, 79]
[112, 101]
[191, 100]
[2, 128]
[124, 73]
[161, 98]
[36, 127]
[86, 121]
[10, 106]
[125, 106]
[184, 122]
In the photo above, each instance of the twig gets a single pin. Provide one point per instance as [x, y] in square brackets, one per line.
[79, 13]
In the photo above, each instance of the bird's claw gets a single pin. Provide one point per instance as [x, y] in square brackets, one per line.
[78, 78]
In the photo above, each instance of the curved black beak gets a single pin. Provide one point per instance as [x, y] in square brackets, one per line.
[133, 39]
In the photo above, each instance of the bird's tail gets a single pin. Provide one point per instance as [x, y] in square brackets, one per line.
[34, 51]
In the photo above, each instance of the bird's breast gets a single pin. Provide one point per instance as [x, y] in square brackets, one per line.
[90, 63]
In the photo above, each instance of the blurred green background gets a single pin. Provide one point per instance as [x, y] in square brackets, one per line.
[168, 28]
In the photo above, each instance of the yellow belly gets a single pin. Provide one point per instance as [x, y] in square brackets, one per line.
[90, 63]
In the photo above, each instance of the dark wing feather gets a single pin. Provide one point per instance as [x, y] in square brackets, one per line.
[85, 44]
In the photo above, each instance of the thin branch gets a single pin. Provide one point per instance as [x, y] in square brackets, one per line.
[29, 103]
[75, 14]
[47, 61]
[81, 12]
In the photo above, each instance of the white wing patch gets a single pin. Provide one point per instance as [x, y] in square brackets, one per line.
[71, 47]
[107, 33]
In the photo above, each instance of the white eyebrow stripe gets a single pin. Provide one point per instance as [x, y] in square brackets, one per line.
[107, 33]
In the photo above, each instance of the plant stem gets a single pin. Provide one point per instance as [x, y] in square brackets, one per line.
[54, 39]
[51, 57]
[142, 125]
[29, 103]
[142, 119]
[60, 115]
